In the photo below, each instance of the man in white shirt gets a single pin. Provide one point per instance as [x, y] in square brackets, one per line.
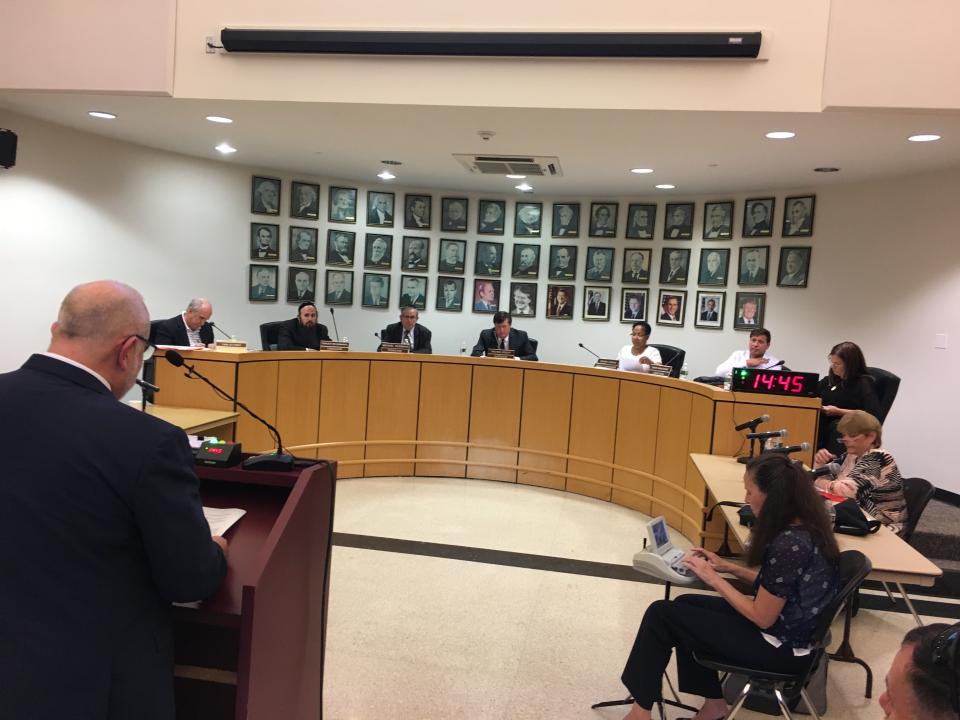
[754, 357]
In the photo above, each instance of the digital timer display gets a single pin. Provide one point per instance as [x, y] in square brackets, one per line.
[774, 382]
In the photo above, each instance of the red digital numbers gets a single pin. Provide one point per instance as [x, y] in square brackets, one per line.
[777, 382]
[796, 383]
[215, 450]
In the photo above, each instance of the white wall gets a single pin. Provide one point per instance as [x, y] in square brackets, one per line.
[885, 271]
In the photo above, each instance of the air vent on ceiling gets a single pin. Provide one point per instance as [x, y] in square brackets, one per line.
[529, 165]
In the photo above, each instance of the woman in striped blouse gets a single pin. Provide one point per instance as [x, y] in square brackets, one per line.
[864, 472]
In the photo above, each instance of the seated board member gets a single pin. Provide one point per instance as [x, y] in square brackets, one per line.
[188, 328]
[638, 356]
[504, 336]
[101, 525]
[755, 356]
[409, 331]
[302, 332]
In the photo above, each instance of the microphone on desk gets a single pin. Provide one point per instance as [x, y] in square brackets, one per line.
[752, 424]
[269, 462]
[589, 350]
[831, 469]
[776, 365]
[334, 318]
[802, 447]
[147, 385]
[770, 434]
[220, 330]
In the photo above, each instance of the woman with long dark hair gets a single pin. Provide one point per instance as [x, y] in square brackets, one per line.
[792, 564]
[846, 387]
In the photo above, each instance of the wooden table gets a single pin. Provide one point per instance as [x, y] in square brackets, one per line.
[196, 421]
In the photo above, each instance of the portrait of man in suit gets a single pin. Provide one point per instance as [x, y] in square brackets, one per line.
[749, 311]
[798, 216]
[300, 284]
[753, 265]
[527, 219]
[414, 292]
[485, 295]
[603, 219]
[560, 301]
[266, 196]
[417, 214]
[679, 224]
[713, 266]
[641, 220]
[376, 290]
[563, 262]
[717, 221]
[636, 266]
[489, 259]
[757, 217]
[263, 283]
[378, 251]
[601, 264]
[340, 247]
[453, 212]
[566, 220]
[303, 245]
[379, 209]
[490, 218]
[709, 310]
[634, 305]
[596, 301]
[793, 267]
[305, 201]
[451, 256]
[526, 261]
[339, 287]
[343, 205]
[415, 250]
[671, 308]
[263, 242]
[450, 294]
[673, 266]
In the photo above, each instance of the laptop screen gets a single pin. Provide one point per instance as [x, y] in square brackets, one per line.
[658, 536]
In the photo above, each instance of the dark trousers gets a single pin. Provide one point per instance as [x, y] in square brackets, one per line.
[708, 625]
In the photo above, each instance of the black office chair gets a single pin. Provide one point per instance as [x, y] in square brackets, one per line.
[150, 364]
[269, 334]
[886, 385]
[534, 344]
[782, 690]
[672, 356]
[917, 492]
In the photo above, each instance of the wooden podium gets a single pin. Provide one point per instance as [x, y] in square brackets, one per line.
[254, 651]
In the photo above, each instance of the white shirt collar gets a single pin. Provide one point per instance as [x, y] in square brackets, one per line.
[69, 361]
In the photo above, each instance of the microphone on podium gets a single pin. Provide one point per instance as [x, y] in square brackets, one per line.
[771, 434]
[589, 350]
[220, 330]
[147, 385]
[334, 318]
[752, 424]
[802, 447]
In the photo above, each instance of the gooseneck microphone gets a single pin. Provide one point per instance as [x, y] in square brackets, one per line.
[752, 424]
[147, 385]
[802, 447]
[220, 330]
[589, 350]
[771, 434]
[776, 365]
[269, 462]
[334, 318]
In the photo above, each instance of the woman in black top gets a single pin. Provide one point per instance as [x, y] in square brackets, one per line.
[846, 387]
[791, 562]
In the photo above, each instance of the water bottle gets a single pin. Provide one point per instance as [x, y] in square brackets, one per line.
[728, 382]
[684, 371]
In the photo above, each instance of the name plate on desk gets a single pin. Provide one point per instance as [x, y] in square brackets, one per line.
[400, 347]
[333, 346]
[498, 353]
[663, 370]
[607, 363]
[230, 346]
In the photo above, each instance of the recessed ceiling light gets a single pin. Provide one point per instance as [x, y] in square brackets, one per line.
[781, 135]
[666, 186]
[641, 171]
[219, 119]
[102, 115]
[386, 175]
[516, 177]
[225, 148]
[524, 187]
[826, 169]
[923, 138]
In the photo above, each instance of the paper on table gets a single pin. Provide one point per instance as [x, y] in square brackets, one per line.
[221, 519]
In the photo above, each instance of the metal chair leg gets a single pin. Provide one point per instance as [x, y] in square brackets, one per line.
[809, 702]
[893, 600]
[906, 599]
[739, 703]
[784, 710]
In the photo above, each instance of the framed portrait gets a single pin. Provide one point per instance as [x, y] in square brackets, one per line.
[754, 261]
[265, 195]
[490, 217]
[342, 205]
[566, 220]
[453, 256]
[633, 305]
[340, 247]
[413, 291]
[304, 200]
[379, 208]
[794, 267]
[376, 290]
[798, 216]
[673, 307]
[641, 218]
[749, 310]
[339, 287]
[417, 210]
[416, 253]
[603, 219]
[714, 265]
[674, 266]
[378, 251]
[527, 219]
[563, 262]
[758, 217]
[453, 214]
[263, 283]
[560, 302]
[599, 264]
[596, 303]
[678, 224]
[636, 266]
[526, 261]
[710, 306]
[303, 244]
[489, 259]
[301, 285]
[718, 220]
[264, 241]
[486, 296]
[523, 299]
[449, 294]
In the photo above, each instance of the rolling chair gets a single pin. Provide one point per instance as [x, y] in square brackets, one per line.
[886, 385]
[269, 334]
[150, 364]
[534, 344]
[672, 356]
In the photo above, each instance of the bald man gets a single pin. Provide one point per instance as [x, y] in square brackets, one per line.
[188, 329]
[101, 526]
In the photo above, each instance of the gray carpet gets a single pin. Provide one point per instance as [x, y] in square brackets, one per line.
[936, 535]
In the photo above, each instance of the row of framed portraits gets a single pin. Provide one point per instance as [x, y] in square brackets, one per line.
[561, 260]
[486, 298]
[603, 219]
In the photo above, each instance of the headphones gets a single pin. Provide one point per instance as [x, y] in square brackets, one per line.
[945, 652]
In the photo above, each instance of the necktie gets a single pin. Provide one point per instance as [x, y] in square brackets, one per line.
[500, 344]
[406, 338]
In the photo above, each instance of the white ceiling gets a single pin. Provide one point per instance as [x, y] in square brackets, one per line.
[699, 152]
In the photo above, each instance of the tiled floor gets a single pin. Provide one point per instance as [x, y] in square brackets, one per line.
[411, 636]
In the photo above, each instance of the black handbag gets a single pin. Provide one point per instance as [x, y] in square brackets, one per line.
[850, 519]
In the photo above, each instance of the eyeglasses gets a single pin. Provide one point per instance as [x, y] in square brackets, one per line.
[148, 347]
[945, 648]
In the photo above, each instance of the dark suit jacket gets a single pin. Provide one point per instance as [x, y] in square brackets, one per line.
[294, 336]
[393, 333]
[709, 315]
[172, 331]
[307, 296]
[373, 217]
[407, 301]
[599, 308]
[519, 343]
[760, 278]
[101, 528]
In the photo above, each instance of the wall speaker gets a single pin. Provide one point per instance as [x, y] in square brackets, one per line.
[8, 148]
